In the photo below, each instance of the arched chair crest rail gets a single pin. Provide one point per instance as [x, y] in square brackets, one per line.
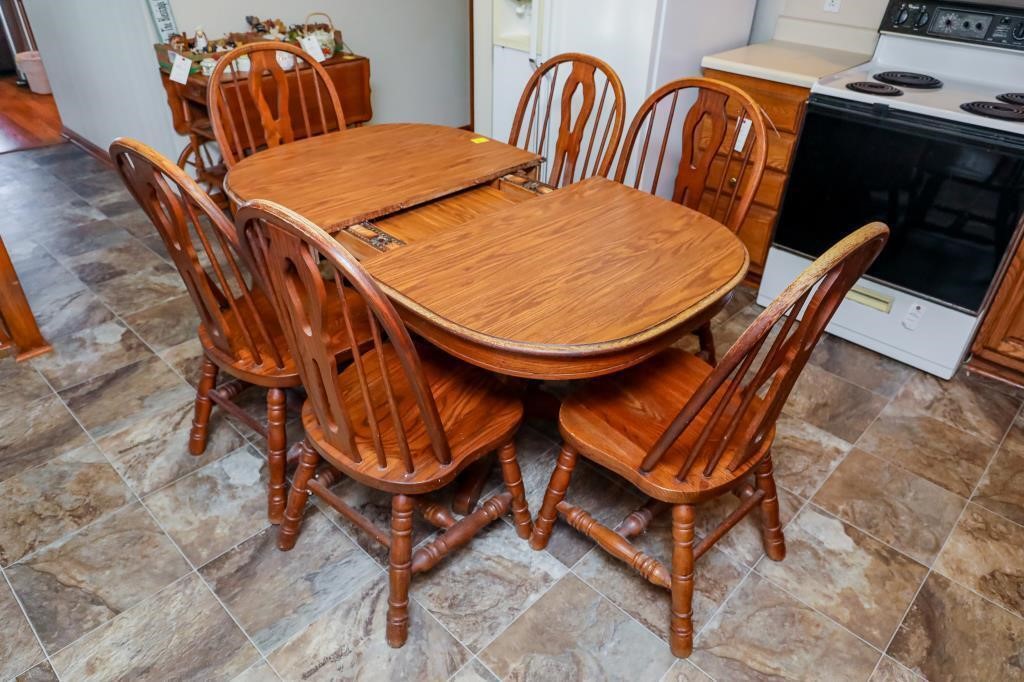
[571, 112]
[238, 328]
[704, 144]
[401, 418]
[682, 431]
[284, 95]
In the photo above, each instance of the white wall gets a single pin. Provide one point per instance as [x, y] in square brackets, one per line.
[100, 60]
[418, 49]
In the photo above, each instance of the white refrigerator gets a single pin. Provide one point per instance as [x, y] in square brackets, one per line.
[647, 42]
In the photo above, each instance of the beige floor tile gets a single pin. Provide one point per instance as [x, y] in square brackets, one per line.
[474, 671]
[260, 672]
[966, 403]
[889, 670]
[929, 448]
[152, 451]
[116, 400]
[861, 366]
[37, 432]
[19, 649]
[141, 289]
[89, 353]
[483, 586]
[166, 324]
[22, 384]
[833, 404]
[950, 633]
[803, 455]
[213, 509]
[986, 553]
[743, 541]
[127, 257]
[41, 672]
[763, 633]
[573, 633]
[71, 587]
[1002, 489]
[908, 512]
[180, 633]
[57, 498]
[845, 574]
[273, 594]
[348, 643]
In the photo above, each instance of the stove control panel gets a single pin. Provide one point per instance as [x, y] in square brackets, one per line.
[962, 22]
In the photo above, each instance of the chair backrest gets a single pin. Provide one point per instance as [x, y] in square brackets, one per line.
[723, 150]
[300, 264]
[588, 119]
[254, 109]
[203, 245]
[749, 387]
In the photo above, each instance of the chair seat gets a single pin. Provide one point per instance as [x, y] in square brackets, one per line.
[615, 421]
[264, 371]
[478, 411]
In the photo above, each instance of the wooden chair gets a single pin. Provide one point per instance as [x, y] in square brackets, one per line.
[718, 150]
[400, 419]
[266, 89]
[588, 121]
[238, 329]
[682, 431]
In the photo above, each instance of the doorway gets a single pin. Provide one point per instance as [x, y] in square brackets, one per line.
[27, 119]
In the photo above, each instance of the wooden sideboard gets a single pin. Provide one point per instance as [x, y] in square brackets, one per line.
[784, 105]
[349, 73]
[998, 349]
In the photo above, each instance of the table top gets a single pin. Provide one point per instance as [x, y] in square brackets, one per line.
[344, 178]
[587, 269]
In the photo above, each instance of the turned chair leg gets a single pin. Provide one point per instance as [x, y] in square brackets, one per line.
[204, 405]
[288, 531]
[771, 527]
[399, 570]
[707, 344]
[514, 482]
[560, 478]
[277, 454]
[681, 626]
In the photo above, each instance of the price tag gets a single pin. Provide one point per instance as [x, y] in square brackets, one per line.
[312, 47]
[180, 66]
[741, 138]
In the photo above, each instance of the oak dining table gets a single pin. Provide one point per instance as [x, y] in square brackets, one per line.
[494, 267]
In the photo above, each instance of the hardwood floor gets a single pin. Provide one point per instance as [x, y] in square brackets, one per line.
[26, 120]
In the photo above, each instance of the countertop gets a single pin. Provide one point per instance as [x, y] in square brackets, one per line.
[784, 62]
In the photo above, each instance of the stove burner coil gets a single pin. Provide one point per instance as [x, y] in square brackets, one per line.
[1001, 110]
[1012, 98]
[873, 88]
[909, 80]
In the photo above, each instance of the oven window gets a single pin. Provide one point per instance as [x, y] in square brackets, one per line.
[953, 198]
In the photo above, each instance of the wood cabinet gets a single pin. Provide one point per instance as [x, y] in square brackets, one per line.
[784, 105]
[998, 349]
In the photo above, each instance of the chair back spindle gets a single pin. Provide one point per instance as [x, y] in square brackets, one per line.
[301, 263]
[269, 105]
[202, 243]
[722, 156]
[587, 120]
[744, 395]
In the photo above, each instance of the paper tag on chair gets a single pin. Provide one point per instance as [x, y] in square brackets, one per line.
[180, 67]
[312, 47]
[741, 138]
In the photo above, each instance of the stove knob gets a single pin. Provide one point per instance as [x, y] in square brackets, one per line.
[922, 19]
[902, 17]
[1018, 33]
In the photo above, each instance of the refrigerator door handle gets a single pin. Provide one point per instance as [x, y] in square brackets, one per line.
[536, 58]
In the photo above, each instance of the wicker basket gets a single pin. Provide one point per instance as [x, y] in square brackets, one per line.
[329, 38]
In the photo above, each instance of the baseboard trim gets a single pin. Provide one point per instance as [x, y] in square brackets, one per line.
[86, 146]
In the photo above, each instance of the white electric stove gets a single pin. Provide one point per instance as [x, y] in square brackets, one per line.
[927, 137]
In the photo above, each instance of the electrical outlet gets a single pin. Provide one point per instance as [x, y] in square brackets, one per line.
[833, 5]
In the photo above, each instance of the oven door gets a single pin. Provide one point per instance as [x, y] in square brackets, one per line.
[952, 194]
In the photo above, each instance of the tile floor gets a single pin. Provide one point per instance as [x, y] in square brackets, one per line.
[123, 557]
